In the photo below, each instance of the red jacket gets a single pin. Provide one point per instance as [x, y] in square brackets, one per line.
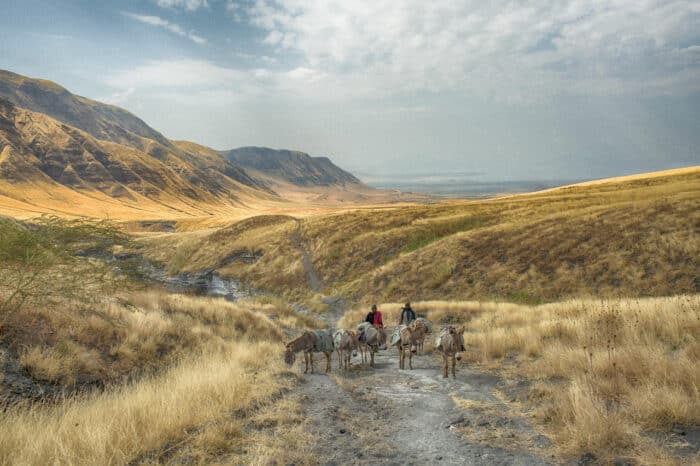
[378, 318]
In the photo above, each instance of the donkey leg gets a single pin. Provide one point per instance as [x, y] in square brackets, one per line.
[445, 365]
[306, 362]
[410, 360]
[371, 355]
[454, 362]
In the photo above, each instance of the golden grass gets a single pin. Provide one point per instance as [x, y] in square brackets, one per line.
[131, 422]
[216, 383]
[139, 330]
[632, 237]
[607, 371]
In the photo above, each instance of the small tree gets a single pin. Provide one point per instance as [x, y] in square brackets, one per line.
[52, 259]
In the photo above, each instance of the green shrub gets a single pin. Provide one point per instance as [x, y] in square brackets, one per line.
[52, 259]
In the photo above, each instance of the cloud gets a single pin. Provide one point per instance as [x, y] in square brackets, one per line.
[117, 97]
[190, 5]
[504, 49]
[194, 80]
[180, 74]
[165, 24]
[197, 82]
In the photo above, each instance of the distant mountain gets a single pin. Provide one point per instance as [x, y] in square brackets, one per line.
[66, 154]
[294, 167]
[36, 148]
[202, 167]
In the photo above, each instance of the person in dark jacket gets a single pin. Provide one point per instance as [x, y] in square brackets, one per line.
[408, 315]
[370, 315]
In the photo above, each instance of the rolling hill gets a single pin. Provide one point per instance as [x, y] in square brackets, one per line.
[631, 237]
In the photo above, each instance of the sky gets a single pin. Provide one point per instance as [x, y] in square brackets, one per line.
[500, 90]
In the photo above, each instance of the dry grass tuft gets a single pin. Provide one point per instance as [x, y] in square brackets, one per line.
[133, 421]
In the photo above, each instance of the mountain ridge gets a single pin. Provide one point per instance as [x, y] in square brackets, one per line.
[208, 167]
[295, 167]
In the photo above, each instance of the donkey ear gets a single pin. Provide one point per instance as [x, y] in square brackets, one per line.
[460, 330]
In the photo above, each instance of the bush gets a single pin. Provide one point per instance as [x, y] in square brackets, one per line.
[51, 260]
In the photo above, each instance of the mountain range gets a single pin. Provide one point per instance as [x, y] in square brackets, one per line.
[58, 149]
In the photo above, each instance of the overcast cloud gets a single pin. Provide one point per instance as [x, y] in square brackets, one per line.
[513, 90]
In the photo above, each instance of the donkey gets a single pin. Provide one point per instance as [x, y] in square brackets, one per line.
[346, 344]
[450, 343]
[310, 342]
[406, 340]
[421, 328]
[370, 341]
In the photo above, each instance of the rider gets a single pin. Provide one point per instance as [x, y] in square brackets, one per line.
[375, 317]
[408, 315]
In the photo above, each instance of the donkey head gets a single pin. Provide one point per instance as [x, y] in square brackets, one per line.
[289, 355]
[458, 342]
[382, 338]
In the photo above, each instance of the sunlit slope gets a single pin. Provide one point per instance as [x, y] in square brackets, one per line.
[49, 167]
[629, 238]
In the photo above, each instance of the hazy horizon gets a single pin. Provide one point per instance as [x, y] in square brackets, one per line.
[538, 91]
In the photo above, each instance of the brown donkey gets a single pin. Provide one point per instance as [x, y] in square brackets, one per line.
[450, 343]
[406, 341]
[346, 344]
[310, 342]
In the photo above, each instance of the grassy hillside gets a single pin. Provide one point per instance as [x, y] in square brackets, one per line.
[635, 237]
[97, 370]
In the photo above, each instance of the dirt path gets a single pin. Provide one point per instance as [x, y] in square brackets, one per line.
[387, 416]
[315, 282]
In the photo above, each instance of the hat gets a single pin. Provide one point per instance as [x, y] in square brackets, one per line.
[374, 307]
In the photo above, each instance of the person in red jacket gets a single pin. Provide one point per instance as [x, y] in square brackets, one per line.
[375, 317]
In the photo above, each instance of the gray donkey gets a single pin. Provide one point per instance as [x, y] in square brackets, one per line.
[346, 345]
[450, 343]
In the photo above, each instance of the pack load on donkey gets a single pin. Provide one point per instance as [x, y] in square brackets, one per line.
[318, 341]
[396, 336]
[427, 323]
[324, 342]
[370, 340]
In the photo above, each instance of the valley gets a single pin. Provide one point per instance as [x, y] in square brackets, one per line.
[148, 288]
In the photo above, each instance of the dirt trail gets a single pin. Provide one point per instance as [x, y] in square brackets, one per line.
[315, 282]
[387, 416]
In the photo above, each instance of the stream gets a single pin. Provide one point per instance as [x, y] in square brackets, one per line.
[203, 283]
